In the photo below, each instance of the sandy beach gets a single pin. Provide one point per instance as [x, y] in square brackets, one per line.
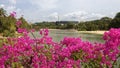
[93, 32]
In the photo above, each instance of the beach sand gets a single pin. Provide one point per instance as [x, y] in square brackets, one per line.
[93, 32]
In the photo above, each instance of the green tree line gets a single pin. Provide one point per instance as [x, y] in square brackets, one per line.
[105, 23]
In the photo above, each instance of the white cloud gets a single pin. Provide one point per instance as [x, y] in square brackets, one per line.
[112, 14]
[53, 16]
[44, 4]
[78, 14]
[46, 10]
[2, 5]
[12, 1]
[81, 16]
[11, 8]
[94, 16]
[97, 15]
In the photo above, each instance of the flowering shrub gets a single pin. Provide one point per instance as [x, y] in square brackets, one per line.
[43, 52]
[70, 52]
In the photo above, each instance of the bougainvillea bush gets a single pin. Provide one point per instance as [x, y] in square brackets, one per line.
[27, 52]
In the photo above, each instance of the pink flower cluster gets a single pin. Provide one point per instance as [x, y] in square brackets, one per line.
[69, 53]
[18, 23]
[13, 14]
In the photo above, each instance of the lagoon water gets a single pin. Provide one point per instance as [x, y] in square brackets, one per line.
[58, 35]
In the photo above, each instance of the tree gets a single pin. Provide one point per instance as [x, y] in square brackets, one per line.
[70, 26]
[117, 15]
[106, 19]
[7, 24]
[2, 12]
[2, 17]
[24, 23]
[115, 23]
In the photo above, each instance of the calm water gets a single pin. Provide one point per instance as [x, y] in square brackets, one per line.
[58, 35]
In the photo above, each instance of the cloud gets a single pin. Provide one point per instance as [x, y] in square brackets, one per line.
[73, 16]
[11, 8]
[44, 4]
[94, 16]
[46, 10]
[97, 15]
[13, 1]
[81, 16]
[2, 5]
[53, 15]
[78, 15]
[112, 14]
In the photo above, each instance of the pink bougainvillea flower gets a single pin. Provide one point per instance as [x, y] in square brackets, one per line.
[18, 23]
[13, 14]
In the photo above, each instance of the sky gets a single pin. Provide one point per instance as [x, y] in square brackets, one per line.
[65, 10]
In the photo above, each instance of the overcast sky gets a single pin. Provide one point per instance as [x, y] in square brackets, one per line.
[50, 10]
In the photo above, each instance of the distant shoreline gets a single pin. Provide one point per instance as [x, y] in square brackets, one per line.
[91, 32]
[63, 29]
